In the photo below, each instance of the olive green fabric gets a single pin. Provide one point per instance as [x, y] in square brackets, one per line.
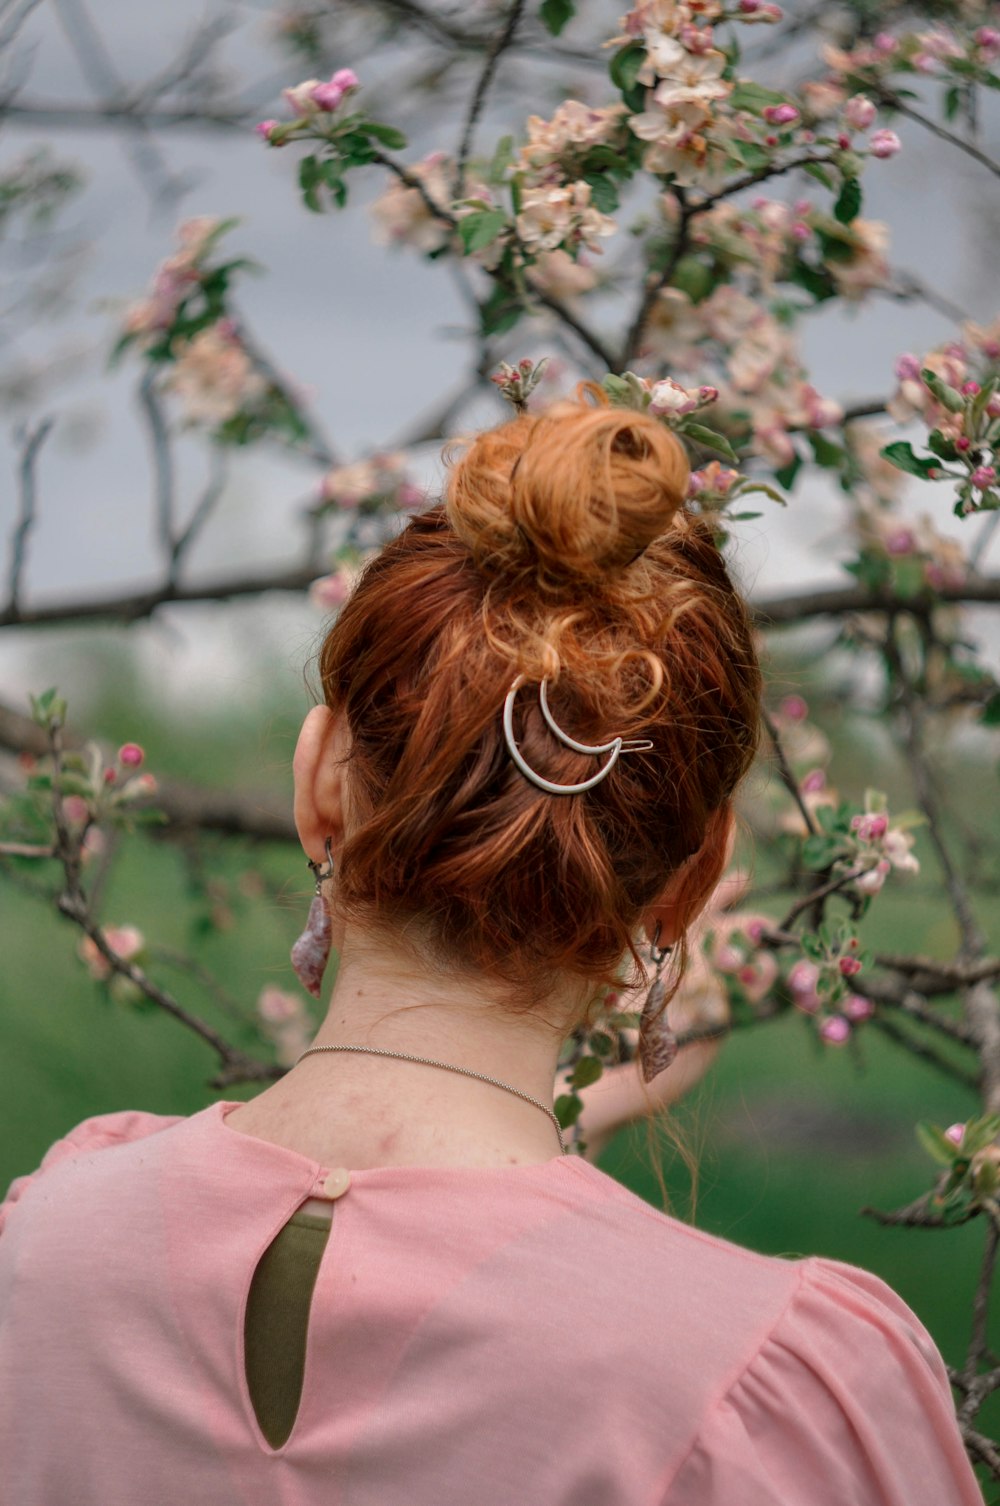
[277, 1321]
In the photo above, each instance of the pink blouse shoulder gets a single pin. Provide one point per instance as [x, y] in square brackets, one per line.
[96, 1133]
[846, 1401]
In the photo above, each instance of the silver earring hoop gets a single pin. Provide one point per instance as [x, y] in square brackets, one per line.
[321, 871]
[614, 748]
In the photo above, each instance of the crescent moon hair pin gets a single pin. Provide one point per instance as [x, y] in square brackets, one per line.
[614, 748]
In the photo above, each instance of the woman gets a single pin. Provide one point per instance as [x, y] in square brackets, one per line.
[381, 1280]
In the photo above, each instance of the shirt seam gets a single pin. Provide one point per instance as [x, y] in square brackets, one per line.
[729, 1385]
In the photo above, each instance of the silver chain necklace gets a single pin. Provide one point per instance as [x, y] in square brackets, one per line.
[426, 1061]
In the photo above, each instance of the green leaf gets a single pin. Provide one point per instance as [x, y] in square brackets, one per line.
[747, 95]
[309, 179]
[503, 156]
[907, 577]
[743, 517]
[820, 173]
[948, 396]
[991, 711]
[747, 488]
[587, 1070]
[708, 437]
[480, 229]
[816, 280]
[826, 452]
[786, 476]
[694, 278]
[387, 135]
[941, 445]
[848, 201]
[501, 310]
[901, 455]
[601, 1043]
[568, 1108]
[556, 13]
[819, 851]
[952, 101]
[603, 193]
[624, 70]
[751, 155]
[936, 1143]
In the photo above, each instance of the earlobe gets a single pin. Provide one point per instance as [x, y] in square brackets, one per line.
[319, 781]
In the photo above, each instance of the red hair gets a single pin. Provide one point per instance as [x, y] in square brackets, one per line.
[563, 549]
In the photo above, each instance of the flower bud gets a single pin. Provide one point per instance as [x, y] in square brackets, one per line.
[836, 1030]
[955, 1133]
[983, 476]
[857, 1008]
[783, 114]
[963, 443]
[969, 389]
[131, 755]
[884, 143]
[849, 966]
[859, 112]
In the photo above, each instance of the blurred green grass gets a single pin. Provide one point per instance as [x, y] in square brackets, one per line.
[792, 1140]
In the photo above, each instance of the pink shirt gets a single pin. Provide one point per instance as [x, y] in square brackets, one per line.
[511, 1336]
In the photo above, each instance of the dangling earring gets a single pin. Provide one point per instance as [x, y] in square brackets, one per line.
[312, 950]
[657, 1042]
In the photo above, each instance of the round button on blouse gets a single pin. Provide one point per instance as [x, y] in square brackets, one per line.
[337, 1183]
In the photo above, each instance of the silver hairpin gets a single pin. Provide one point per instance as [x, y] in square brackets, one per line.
[614, 748]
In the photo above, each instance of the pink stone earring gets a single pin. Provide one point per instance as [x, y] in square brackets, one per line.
[657, 1042]
[312, 950]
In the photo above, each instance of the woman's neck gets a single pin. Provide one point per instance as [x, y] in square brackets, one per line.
[361, 1110]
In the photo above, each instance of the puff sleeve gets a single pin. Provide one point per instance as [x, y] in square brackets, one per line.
[846, 1403]
[96, 1133]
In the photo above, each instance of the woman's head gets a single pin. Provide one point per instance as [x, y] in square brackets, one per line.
[563, 551]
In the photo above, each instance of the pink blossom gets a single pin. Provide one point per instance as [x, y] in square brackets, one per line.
[872, 881]
[908, 368]
[331, 591]
[813, 782]
[144, 784]
[803, 977]
[75, 809]
[859, 112]
[794, 708]
[955, 1133]
[708, 394]
[131, 754]
[857, 1008]
[330, 95]
[801, 231]
[870, 826]
[963, 443]
[727, 959]
[988, 40]
[276, 1006]
[900, 541]
[124, 941]
[784, 114]
[836, 1030]
[669, 397]
[983, 477]
[264, 129]
[885, 42]
[969, 389]
[849, 966]
[884, 143]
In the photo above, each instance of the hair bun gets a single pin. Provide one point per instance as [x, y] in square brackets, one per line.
[581, 490]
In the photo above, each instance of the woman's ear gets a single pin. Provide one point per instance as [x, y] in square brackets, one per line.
[320, 781]
[691, 887]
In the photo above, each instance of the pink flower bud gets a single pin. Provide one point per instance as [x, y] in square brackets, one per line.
[836, 1030]
[857, 1008]
[884, 143]
[843, 141]
[770, 140]
[346, 78]
[708, 394]
[803, 977]
[885, 42]
[784, 114]
[907, 368]
[131, 755]
[955, 1133]
[749, 7]
[983, 476]
[859, 112]
[327, 96]
[794, 709]
[696, 482]
[969, 389]
[110, 775]
[813, 782]
[801, 232]
[963, 443]
[525, 365]
[264, 129]
[900, 541]
[993, 406]
[849, 966]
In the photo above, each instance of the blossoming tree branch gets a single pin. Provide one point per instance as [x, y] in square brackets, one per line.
[669, 238]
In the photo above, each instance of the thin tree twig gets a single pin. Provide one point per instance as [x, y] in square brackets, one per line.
[163, 466]
[924, 1051]
[502, 41]
[887, 96]
[788, 779]
[31, 441]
